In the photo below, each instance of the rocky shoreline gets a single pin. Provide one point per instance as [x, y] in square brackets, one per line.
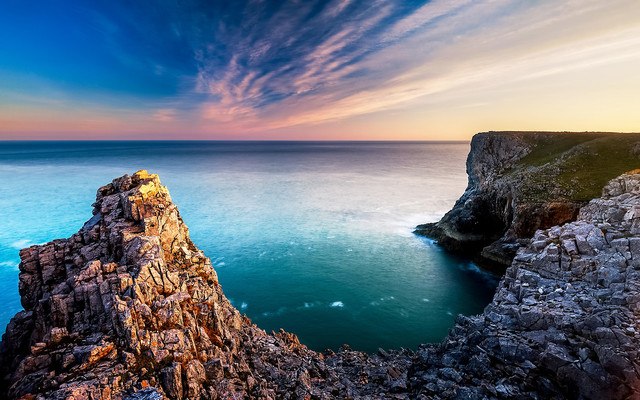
[520, 182]
[130, 308]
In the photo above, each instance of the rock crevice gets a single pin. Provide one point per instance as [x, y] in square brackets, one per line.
[130, 308]
[523, 181]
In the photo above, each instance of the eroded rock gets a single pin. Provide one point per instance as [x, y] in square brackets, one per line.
[520, 182]
[129, 308]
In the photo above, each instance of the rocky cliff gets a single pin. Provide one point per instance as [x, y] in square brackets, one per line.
[129, 308]
[523, 181]
[564, 322]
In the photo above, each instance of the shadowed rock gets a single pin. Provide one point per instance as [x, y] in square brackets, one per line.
[523, 181]
[564, 322]
[129, 308]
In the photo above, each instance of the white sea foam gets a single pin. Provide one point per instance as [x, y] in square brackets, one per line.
[21, 244]
[218, 262]
[276, 313]
[381, 191]
[307, 305]
[486, 276]
[243, 306]
[10, 264]
[404, 225]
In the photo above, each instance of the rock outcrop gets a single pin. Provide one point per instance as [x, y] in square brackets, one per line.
[523, 181]
[564, 322]
[129, 308]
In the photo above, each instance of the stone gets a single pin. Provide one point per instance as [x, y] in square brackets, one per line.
[505, 202]
[129, 308]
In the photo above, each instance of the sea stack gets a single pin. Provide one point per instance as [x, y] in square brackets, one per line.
[128, 307]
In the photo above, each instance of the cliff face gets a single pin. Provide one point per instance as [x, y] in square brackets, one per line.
[127, 301]
[129, 308]
[523, 181]
[129, 305]
[564, 320]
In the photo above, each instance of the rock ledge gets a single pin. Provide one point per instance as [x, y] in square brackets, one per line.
[129, 308]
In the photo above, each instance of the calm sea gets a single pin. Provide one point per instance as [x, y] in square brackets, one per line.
[312, 237]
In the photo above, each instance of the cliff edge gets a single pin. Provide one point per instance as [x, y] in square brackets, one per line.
[129, 308]
[523, 181]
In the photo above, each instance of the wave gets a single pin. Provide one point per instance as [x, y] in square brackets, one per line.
[9, 264]
[21, 244]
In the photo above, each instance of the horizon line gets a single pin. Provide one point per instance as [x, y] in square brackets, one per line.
[235, 140]
[14, 140]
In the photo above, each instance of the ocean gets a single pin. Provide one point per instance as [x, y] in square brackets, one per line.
[312, 237]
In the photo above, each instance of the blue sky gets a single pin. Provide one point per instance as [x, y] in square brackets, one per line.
[312, 69]
[156, 49]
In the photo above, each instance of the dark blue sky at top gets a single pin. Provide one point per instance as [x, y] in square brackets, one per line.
[155, 49]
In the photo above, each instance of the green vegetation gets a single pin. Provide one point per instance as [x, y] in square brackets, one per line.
[598, 162]
[549, 147]
[575, 166]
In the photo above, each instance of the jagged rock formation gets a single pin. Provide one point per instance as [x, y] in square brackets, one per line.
[129, 308]
[523, 181]
[564, 320]
[129, 304]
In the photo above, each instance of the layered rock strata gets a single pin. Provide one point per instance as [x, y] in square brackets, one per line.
[564, 322]
[129, 308]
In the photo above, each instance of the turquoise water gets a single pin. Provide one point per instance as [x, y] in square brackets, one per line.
[312, 237]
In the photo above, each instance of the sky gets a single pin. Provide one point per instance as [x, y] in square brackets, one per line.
[316, 69]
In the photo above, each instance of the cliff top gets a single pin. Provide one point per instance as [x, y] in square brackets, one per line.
[523, 181]
[572, 166]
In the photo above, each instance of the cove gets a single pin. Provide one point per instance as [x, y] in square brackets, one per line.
[312, 237]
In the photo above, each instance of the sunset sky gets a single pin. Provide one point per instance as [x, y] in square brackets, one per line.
[338, 69]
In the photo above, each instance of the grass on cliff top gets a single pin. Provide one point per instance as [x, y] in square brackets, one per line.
[602, 160]
[550, 146]
[576, 166]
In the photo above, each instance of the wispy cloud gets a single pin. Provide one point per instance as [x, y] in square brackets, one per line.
[284, 55]
[260, 66]
[165, 114]
[380, 59]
